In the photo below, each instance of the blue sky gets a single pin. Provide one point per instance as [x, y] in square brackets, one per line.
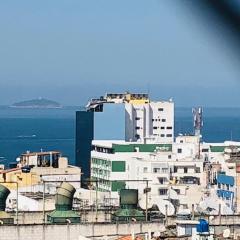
[71, 50]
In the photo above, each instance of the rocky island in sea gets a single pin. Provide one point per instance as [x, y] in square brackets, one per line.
[37, 103]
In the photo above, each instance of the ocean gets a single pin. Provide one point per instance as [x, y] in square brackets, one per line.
[24, 130]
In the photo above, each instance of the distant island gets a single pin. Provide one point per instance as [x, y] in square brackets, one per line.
[37, 103]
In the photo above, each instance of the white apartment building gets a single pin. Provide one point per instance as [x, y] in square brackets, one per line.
[170, 174]
[150, 122]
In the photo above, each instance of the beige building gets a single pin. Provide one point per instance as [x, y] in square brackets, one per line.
[34, 167]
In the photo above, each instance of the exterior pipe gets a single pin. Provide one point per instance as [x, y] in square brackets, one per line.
[64, 197]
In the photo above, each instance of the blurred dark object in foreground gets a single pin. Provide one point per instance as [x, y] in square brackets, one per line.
[227, 10]
[220, 15]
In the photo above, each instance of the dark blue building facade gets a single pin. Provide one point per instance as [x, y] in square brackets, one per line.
[84, 136]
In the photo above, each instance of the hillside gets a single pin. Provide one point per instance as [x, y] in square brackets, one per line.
[37, 103]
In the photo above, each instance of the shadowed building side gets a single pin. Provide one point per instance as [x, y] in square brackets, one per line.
[84, 137]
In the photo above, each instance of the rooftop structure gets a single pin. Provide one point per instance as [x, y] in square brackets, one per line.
[35, 167]
[134, 98]
[40, 159]
[197, 120]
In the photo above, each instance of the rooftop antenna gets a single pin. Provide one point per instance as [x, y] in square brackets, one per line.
[148, 89]
[197, 120]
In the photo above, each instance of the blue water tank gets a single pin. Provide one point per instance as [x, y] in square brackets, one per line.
[203, 226]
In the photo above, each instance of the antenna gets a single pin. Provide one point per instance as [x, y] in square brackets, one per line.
[148, 89]
[197, 120]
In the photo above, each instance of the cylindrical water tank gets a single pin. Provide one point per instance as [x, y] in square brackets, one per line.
[4, 192]
[203, 226]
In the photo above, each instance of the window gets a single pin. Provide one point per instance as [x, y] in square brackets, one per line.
[163, 120]
[169, 127]
[145, 169]
[118, 166]
[162, 180]
[156, 170]
[162, 135]
[169, 156]
[169, 135]
[162, 127]
[205, 150]
[175, 169]
[185, 169]
[160, 109]
[197, 170]
[154, 127]
[137, 128]
[163, 191]
[137, 136]
[137, 118]
[188, 230]
[179, 150]
[164, 170]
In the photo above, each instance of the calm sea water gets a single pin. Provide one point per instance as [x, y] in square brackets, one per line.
[54, 129]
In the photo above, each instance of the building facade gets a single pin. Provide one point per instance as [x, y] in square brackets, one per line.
[159, 168]
[83, 142]
[152, 121]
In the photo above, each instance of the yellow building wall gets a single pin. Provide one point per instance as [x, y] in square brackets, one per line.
[23, 179]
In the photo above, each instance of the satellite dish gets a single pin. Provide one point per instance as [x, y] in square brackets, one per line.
[162, 228]
[142, 203]
[156, 234]
[173, 194]
[164, 205]
[211, 218]
[226, 233]
[184, 212]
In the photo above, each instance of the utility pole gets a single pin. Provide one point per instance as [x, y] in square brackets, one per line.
[96, 217]
[43, 202]
[146, 217]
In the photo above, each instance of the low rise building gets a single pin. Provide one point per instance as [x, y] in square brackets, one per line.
[35, 167]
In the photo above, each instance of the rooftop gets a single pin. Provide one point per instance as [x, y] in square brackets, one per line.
[40, 153]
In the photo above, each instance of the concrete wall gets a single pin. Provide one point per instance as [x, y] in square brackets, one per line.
[72, 232]
[37, 217]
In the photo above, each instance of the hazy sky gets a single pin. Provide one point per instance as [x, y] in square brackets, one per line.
[72, 50]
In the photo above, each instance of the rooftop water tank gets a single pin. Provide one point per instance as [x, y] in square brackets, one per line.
[63, 203]
[129, 197]
[128, 210]
[203, 226]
